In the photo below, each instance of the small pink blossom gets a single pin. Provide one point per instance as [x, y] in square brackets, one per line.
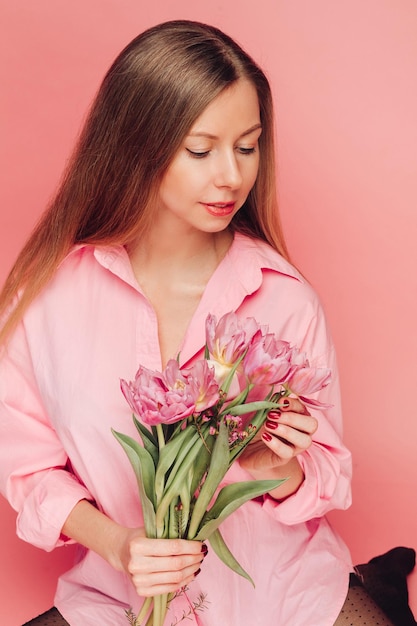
[233, 421]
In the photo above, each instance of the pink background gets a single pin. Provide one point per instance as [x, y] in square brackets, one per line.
[344, 75]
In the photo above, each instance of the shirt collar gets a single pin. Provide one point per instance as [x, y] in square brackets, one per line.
[247, 257]
[250, 256]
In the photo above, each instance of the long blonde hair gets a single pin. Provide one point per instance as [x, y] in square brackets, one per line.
[149, 99]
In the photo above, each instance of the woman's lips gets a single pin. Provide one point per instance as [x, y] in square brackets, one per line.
[220, 209]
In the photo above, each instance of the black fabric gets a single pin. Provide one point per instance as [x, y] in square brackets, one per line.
[359, 609]
[354, 581]
[50, 618]
[385, 579]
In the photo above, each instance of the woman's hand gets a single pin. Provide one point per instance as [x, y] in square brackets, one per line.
[273, 454]
[157, 566]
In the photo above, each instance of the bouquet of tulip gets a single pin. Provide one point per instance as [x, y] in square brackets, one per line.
[191, 423]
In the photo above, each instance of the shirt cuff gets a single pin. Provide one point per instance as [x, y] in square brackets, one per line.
[326, 486]
[47, 507]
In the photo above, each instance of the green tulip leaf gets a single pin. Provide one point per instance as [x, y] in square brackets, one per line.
[144, 469]
[179, 476]
[220, 548]
[259, 405]
[149, 442]
[201, 464]
[231, 498]
[219, 465]
[175, 453]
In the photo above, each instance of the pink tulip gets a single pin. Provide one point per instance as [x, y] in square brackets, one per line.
[306, 380]
[228, 338]
[146, 395]
[201, 384]
[173, 395]
[268, 361]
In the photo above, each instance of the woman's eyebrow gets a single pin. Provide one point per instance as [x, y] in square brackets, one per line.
[210, 136]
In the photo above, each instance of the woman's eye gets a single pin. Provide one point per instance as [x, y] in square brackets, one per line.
[243, 150]
[201, 154]
[196, 154]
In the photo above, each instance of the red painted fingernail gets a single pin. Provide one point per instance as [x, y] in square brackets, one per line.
[204, 549]
[267, 437]
[197, 572]
[274, 415]
[285, 403]
[271, 425]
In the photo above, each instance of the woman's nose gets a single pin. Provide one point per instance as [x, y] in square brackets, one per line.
[228, 172]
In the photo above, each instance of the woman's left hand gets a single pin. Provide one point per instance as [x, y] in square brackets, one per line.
[273, 454]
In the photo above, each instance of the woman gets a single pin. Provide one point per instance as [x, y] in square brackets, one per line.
[167, 212]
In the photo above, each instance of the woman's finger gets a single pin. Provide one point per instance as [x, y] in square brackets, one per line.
[304, 423]
[293, 404]
[150, 583]
[297, 439]
[165, 547]
[156, 564]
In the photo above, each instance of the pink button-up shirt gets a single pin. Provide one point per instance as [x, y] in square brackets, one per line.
[60, 397]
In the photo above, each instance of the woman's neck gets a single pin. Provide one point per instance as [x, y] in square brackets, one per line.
[195, 254]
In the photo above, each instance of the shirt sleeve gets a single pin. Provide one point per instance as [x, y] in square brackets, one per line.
[35, 473]
[327, 464]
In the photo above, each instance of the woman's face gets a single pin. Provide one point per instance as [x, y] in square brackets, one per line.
[212, 174]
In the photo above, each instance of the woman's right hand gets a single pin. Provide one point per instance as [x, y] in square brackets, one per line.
[157, 566]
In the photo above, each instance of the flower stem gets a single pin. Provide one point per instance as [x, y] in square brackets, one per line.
[159, 609]
[150, 621]
[161, 438]
[143, 611]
